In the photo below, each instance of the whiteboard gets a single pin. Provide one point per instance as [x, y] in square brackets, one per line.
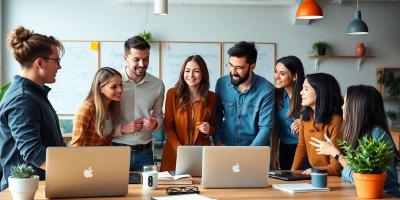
[112, 55]
[173, 54]
[73, 80]
[265, 59]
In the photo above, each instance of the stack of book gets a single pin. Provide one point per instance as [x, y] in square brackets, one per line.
[166, 178]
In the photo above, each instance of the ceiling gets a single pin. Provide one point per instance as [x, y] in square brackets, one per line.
[246, 2]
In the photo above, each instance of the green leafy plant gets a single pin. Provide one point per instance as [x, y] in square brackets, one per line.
[372, 156]
[391, 83]
[320, 48]
[3, 90]
[22, 171]
[146, 36]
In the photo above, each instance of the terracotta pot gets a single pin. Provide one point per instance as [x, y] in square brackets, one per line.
[360, 49]
[369, 186]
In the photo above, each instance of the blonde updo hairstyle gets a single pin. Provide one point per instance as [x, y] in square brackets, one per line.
[28, 46]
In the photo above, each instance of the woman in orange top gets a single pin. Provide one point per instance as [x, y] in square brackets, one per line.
[99, 115]
[189, 110]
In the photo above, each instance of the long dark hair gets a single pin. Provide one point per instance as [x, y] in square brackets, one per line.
[294, 65]
[182, 89]
[329, 99]
[364, 111]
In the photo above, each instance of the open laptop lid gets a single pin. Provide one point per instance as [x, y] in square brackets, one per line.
[188, 160]
[87, 171]
[235, 166]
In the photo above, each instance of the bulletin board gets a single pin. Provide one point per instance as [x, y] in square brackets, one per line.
[78, 67]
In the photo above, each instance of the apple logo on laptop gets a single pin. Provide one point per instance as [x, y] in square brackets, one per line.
[88, 173]
[236, 168]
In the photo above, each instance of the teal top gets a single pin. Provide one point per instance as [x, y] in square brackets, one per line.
[392, 185]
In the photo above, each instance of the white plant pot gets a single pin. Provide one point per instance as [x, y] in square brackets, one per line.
[23, 188]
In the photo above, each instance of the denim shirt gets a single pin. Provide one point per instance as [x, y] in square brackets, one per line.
[283, 121]
[28, 124]
[244, 118]
[392, 186]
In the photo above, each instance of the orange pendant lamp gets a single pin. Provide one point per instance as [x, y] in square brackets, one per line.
[309, 9]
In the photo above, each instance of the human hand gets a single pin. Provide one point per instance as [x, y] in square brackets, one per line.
[324, 147]
[294, 127]
[150, 122]
[204, 127]
[307, 171]
[132, 126]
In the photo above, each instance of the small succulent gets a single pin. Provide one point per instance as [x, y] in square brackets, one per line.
[22, 171]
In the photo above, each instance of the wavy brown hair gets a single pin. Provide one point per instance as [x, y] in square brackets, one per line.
[103, 75]
[182, 89]
[364, 111]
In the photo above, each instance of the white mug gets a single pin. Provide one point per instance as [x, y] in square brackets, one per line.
[150, 177]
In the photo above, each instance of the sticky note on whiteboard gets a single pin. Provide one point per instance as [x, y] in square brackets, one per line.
[94, 46]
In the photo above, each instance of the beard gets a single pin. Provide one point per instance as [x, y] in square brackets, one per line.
[240, 80]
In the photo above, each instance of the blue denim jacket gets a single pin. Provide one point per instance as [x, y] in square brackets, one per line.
[283, 121]
[244, 118]
[28, 124]
[392, 186]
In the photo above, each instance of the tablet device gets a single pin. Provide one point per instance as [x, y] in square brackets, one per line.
[288, 175]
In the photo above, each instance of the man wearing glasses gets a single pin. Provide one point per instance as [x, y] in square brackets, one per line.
[141, 104]
[245, 103]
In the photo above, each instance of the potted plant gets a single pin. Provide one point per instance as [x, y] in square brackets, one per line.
[391, 83]
[369, 163]
[320, 48]
[146, 36]
[22, 182]
[3, 90]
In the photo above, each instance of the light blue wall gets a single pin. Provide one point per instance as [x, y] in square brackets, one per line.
[111, 20]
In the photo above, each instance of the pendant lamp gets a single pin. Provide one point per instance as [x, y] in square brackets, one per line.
[357, 26]
[309, 9]
[160, 7]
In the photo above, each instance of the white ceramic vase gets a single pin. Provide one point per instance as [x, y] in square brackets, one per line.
[23, 188]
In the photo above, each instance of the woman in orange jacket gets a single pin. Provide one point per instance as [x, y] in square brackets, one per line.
[189, 110]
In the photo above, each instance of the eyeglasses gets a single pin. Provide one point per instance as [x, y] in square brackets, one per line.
[182, 190]
[234, 67]
[55, 59]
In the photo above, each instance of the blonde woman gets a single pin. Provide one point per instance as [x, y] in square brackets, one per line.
[98, 117]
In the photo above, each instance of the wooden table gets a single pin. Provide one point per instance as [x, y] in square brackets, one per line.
[339, 190]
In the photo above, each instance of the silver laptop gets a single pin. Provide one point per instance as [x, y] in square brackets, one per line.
[188, 160]
[87, 171]
[235, 166]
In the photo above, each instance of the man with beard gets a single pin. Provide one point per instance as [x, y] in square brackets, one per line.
[141, 104]
[246, 101]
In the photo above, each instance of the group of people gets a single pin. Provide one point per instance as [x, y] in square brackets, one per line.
[303, 115]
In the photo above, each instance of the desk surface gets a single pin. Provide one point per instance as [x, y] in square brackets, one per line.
[339, 190]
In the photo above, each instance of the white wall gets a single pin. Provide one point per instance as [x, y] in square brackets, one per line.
[110, 20]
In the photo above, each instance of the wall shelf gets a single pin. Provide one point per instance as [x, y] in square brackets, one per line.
[360, 59]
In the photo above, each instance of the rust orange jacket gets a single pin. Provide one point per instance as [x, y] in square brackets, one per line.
[180, 125]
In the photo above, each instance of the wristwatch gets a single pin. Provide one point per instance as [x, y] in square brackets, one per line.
[337, 156]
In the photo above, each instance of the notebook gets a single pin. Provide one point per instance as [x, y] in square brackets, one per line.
[288, 175]
[87, 171]
[188, 160]
[235, 166]
[298, 187]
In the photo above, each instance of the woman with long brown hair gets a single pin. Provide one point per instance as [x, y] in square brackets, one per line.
[99, 115]
[189, 110]
[363, 115]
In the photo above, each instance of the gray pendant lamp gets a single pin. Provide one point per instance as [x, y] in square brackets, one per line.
[357, 26]
[160, 7]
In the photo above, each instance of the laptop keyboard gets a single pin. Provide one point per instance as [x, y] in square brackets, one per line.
[135, 178]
